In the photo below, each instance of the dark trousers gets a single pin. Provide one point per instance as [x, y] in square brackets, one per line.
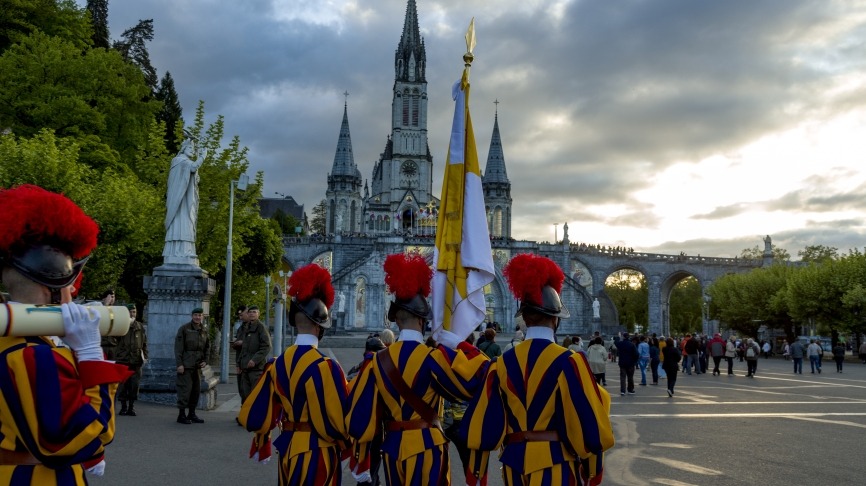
[751, 366]
[129, 389]
[730, 360]
[654, 365]
[600, 378]
[716, 361]
[626, 378]
[247, 381]
[453, 434]
[839, 361]
[672, 376]
[798, 365]
[188, 387]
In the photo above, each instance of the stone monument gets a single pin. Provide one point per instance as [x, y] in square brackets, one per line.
[179, 285]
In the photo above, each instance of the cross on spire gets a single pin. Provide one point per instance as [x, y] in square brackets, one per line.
[346, 96]
[496, 102]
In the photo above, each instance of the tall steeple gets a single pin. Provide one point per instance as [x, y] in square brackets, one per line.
[344, 185]
[410, 60]
[496, 186]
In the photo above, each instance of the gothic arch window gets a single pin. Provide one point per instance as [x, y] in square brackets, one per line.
[497, 221]
[352, 217]
[387, 225]
[416, 104]
[360, 307]
[399, 67]
[372, 225]
[407, 100]
[332, 215]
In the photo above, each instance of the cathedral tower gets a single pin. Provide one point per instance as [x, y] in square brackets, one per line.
[403, 176]
[497, 187]
[344, 186]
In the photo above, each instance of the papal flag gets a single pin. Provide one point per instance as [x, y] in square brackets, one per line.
[462, 259]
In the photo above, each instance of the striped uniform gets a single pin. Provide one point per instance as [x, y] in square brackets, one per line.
[540, 386]
[418, 456]
[302, 389]
[59, 411]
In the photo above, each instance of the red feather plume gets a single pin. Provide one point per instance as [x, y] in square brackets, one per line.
[312, 281]
[407, 276]
[32, 215]
[527, 274]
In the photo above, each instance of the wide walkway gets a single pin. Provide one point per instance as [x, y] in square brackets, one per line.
[775, 428]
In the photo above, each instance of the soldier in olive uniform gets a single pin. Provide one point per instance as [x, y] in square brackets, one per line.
[132, 352]
[253, 343]
[108, 343]
[191, 353]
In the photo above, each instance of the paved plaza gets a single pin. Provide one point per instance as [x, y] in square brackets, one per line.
[773, 429]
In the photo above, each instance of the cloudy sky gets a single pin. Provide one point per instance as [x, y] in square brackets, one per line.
[667, 126]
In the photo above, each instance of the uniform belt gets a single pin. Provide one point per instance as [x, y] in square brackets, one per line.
[287, 425]
[15, 458]
[397, 425]
[532, 436]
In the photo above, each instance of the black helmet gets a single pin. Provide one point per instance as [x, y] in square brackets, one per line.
[417, 306]
[314, 309]
[551, 304]
[48, 266]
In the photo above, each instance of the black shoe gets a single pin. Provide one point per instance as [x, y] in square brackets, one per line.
[194, 419]
[122, 408]
[670, 393]
[182, 419]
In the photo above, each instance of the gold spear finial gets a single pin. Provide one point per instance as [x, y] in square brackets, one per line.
[470, 43]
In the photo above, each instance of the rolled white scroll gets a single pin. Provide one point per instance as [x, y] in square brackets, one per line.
[45, 320]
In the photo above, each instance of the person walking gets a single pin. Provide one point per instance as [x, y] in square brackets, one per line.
[517, 339]
[671, 364]
[752, 353]
[303, 392]
[655, 359]
[798, 352]
[839, 355]
[628, 356]
[643, 352]
[814, 351]
[692, 354]
[253, 344]
[57, 413]
[730, 354]
[597, 356]
[191, 352]
[540, 405]
[132, 352]
[716, 349]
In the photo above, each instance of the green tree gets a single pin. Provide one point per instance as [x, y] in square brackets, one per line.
[94, 96]
[745, 302]
[64, 19]
[818, 253]
[628, 291]
[320, 214]
[287, 223]
[133, 48]
[686, 301]
[170, 113]
[98, 10]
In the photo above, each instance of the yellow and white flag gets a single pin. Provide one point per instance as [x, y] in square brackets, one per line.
[462, 259]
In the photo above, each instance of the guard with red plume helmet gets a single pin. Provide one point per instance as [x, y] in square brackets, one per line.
[45, 239]
[408, 278]
[540, 406]
[312, 295]
[401, 390]
[536, 282]
[303, 391]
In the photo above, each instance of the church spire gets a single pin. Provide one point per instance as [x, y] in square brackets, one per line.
[344, 160]
[495, 170]
[411, 57]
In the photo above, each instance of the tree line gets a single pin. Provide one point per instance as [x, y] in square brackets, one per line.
[90, 118]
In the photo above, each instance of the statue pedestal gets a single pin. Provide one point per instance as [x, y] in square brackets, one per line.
[173, 291]
[596, 324]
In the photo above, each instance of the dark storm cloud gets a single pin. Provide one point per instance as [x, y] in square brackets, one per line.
[594, 102]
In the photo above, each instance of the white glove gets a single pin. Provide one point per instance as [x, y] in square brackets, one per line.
[82, 331]
[98, 469]
[263, 461]
[364, 477]
[448, 338]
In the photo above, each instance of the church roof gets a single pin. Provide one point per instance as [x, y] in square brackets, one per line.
[344, 160]
[411, 54]
[495, 170]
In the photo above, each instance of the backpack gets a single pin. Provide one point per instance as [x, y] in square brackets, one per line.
[750, 352]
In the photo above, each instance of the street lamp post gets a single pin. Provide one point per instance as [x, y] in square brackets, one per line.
[555, 232]
[241, 185]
